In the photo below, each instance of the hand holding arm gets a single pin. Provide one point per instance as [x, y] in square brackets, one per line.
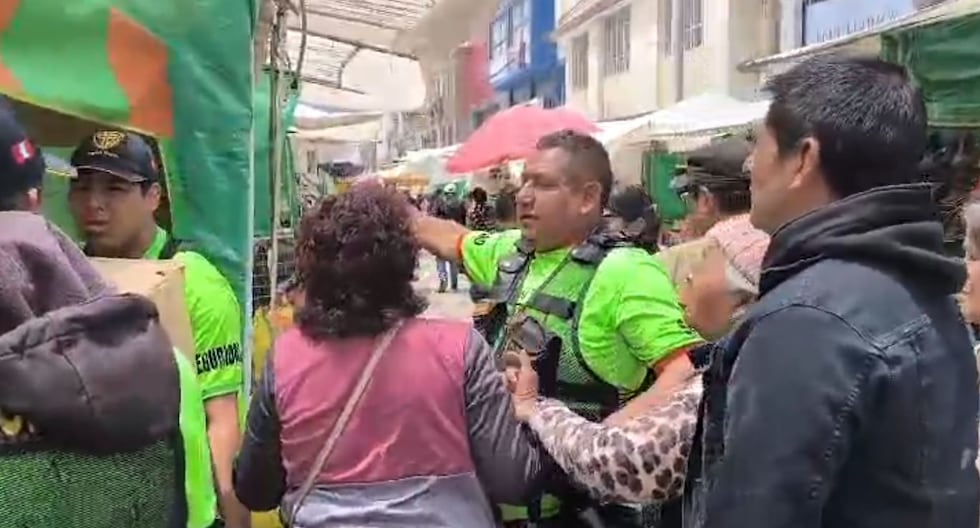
[507, 462]
[643, 460]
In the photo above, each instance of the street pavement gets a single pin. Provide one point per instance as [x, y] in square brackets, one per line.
[451, 305]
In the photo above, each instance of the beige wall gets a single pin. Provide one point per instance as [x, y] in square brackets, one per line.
[734, 31]
[628, 93]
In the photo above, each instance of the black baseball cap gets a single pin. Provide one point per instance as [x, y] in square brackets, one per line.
[122, 154]
[721, 165]
[21, 162]
[723, 158]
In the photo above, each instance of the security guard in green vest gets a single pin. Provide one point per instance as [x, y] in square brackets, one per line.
[605, 313]
[113, 198]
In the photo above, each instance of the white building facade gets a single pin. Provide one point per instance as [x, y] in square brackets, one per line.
[620, 55]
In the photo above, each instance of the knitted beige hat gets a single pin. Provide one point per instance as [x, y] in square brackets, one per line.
[744, 246]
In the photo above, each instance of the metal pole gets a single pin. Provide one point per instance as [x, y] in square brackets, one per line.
[275, 132]
[677, 32]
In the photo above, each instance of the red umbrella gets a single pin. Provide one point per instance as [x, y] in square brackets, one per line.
[512, 135]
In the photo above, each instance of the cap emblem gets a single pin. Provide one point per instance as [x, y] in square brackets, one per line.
[107, 139]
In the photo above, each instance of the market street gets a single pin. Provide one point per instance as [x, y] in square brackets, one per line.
[453, 305]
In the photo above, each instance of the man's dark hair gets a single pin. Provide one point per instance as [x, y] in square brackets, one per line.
[866, 114]
[587, 158]
[14, 201]
[479, 195]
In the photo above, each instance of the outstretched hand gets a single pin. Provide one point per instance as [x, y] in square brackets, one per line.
[522, 382]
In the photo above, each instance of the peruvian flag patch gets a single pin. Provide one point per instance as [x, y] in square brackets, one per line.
[22, 152]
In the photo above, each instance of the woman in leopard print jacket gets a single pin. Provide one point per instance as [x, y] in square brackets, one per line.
[644, 460]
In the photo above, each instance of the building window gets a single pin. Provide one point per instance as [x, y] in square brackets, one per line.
[499, 35]
[518, 21]
[693, 23]
[616, 55]
[579, 62]
[666, 23]
[517, 38]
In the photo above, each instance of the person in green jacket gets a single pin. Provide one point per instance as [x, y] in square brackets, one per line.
[611, 303]
[113, 199]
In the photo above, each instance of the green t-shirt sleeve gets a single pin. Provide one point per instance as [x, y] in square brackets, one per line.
[644, 306]
[482, 252]
[216, 322]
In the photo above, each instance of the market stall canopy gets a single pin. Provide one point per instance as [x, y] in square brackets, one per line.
[350, 58]
[311, 118]
[700, 116]
[944, 61]
[430, 163]
[359, 133]
[867, 39]
[706, 115]
[614, 132]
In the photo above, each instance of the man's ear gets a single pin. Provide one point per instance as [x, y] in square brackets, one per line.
[807, 161]
[33, 198]
[154, 193]
[592, 197]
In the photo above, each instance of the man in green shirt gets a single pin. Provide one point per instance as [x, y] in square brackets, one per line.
[113, 199]
[614, 305]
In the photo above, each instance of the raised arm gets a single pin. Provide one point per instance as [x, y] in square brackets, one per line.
[442, 238]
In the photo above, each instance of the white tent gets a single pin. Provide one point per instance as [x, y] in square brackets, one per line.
[430, 163]
[365, 132]
[701, 116]
[311, 118]
[705, 115]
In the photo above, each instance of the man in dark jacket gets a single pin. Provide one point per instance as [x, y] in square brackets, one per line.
[848, 396]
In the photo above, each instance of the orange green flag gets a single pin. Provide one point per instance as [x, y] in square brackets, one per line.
[180, 70]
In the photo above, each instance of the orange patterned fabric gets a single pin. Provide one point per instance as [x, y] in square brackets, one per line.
[139, 60]
[8, 82]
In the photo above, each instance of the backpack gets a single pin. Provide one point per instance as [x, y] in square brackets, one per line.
[89, 437]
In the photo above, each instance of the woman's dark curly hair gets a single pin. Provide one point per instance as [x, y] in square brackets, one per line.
[356, 260]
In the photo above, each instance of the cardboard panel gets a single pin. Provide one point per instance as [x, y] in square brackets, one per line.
[162, 281]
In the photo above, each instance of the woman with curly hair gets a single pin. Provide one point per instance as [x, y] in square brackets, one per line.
[366, 414]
